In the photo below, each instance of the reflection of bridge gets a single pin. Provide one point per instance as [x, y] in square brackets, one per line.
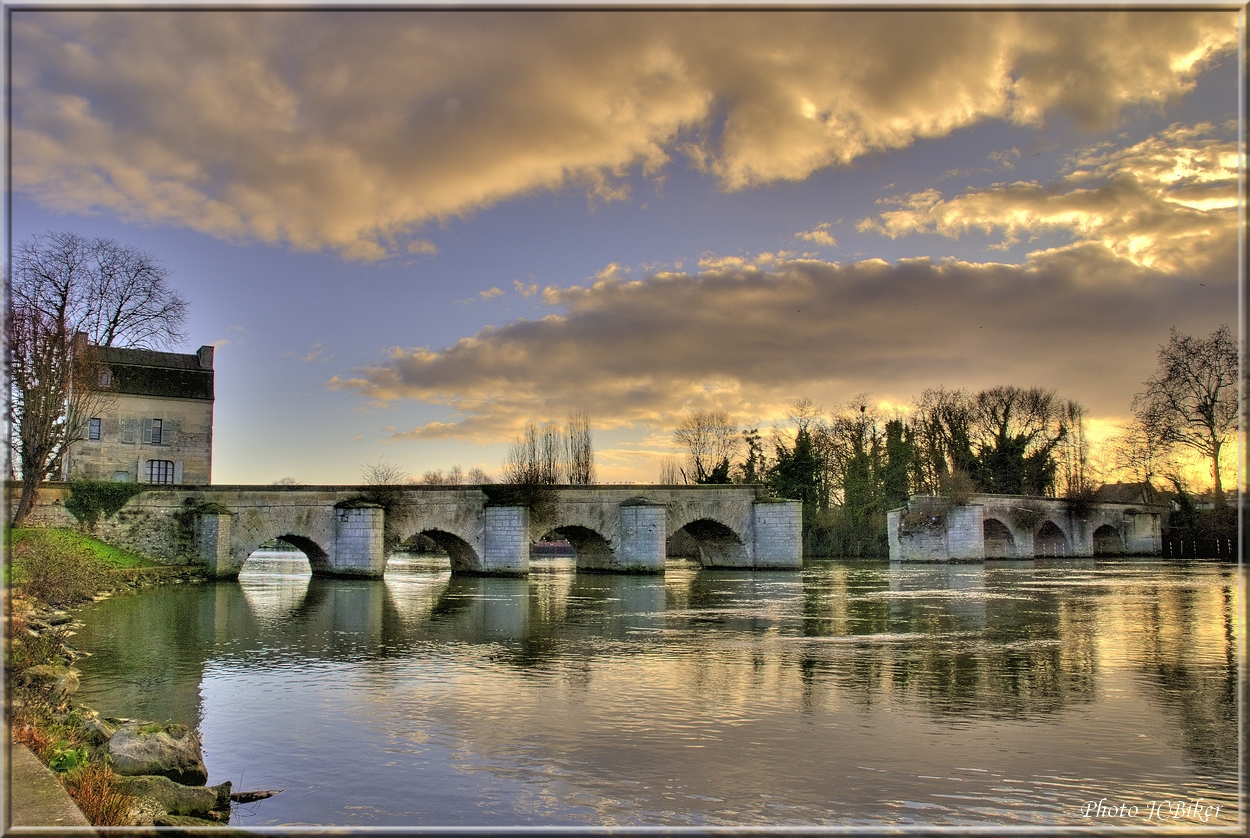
[612, 528]
[930, 529]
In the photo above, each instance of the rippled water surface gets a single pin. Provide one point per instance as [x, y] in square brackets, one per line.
[844, 694]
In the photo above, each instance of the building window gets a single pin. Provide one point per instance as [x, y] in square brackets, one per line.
[106, 378]
[93, 430]
[152, 431]
[160, 471]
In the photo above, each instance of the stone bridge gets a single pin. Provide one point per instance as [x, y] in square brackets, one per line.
[929, 529]
[346, 530]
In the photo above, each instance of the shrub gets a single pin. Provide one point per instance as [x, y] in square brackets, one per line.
[56, 574]
[925, 514]
[834, 532]
[957, 487]
[26, 651]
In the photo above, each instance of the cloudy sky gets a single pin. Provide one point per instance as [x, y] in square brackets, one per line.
[409, 232]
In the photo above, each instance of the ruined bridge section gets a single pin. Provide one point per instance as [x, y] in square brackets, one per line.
[929, 529]
[344, 530]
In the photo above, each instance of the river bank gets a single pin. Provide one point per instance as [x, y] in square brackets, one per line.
[119, 771]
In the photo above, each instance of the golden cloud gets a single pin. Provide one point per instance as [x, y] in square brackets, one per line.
[820, 235]
[351, 130]
[751, 339]
[1168, 202]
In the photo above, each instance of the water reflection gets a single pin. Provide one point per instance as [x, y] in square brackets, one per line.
[701, 696]
[1186, 653]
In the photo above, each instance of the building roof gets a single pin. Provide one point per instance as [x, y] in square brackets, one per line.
[144, 372]
[1123, 492]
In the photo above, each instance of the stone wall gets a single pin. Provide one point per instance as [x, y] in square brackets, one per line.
[358, 549]
[964, 533]
[507, 548]
[642, 537]
[778, 534]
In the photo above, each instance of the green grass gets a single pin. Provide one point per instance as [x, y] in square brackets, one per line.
[63, 567]
[104, 555]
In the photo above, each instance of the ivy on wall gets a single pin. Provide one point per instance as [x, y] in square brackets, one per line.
[91, 500]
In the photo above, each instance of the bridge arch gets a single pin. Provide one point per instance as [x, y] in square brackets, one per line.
[719, 545]
[1050, 540]
[463, 557]
[318, 558]
[593, 549]
[1108, 541]
[999, 542]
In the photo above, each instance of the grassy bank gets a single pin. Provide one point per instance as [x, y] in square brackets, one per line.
[63, 567]
[51, 570]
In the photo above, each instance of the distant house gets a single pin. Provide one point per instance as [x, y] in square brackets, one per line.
[157, 422]
[1126, 493]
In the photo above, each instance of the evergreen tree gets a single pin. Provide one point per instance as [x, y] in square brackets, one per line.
[895, 487]
[795, 474]
[753, 467]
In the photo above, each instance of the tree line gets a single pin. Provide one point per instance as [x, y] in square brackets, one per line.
[850, 466]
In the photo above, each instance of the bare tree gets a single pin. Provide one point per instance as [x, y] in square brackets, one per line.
[1015, 432]
[435, 477]
[521, 464]
[1073, 452]
[836, 441]
[546, 455]
[64, 285]
[52, 396]
[1191, 400]
[1142, 457]
[550, 454]
[670, 472]
[477, 476]
[710, 440]
[536, 457]
[115, 293]
[941, 423]
[804, 413]
[579, 452]
[383, 473]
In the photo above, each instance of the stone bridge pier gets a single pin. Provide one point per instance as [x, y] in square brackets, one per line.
[485, 530]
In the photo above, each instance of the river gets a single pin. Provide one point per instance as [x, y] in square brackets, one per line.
[846, 694]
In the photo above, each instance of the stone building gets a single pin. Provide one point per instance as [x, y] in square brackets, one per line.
[155, 424]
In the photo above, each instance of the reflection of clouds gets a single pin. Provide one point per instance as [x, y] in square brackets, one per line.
[275, 582]
[414, 594]
[401, 118]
